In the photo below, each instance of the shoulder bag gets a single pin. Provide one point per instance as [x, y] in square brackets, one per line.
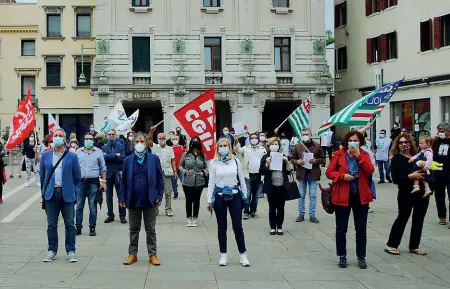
[50, 176]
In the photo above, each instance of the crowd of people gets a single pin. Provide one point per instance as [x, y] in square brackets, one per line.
[144, 174]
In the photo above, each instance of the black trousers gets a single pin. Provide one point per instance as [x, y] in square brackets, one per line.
[193, 195]
[328, 150]
[442, 181]
[1, 189]
[408, 203]
[276, 207]
[360, 213]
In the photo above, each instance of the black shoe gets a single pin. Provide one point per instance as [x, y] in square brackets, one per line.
[109, 220]
[343, 262]
[92, 231]
[78, 230]
[389, 180]
[381, 182]
[273, 232]
[123, 221]
[362, 263]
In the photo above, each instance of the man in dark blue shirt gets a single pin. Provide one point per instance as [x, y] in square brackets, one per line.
[141, 191]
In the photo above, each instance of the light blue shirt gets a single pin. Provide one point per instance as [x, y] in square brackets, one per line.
[92, 163]
[58, 170]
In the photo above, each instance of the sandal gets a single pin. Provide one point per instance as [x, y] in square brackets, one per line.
[392, 251]
[418, 252]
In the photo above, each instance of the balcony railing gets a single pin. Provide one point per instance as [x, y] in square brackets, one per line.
[142, 80]
[284, 80]
[53, 34]
[84, 34]
[213, 80]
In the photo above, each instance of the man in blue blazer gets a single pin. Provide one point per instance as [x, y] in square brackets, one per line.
[114, 153]
[58, 191]
[141, 191]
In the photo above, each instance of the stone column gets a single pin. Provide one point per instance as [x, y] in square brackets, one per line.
[103, 104]
[320, 112]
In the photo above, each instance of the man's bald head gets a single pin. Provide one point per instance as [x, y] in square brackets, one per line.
[162, 139]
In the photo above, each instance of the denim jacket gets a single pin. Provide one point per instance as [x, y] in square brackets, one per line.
[227, 194]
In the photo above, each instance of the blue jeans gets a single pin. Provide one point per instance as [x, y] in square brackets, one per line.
[89, 191]
[110, 184]
[386, 167]
[312, 195]
[52, 208]
[175, 183]
[254, 185]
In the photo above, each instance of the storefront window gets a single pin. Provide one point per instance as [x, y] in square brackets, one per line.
[413, 116]
[445, 116]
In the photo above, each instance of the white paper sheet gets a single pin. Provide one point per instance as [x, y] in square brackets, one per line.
[239, 128]
[307, 157]
[276, 163]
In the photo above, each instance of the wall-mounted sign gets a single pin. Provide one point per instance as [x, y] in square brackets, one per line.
[284, 95]
[142, 95]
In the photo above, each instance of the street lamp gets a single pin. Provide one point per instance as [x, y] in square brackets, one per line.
[102, 48]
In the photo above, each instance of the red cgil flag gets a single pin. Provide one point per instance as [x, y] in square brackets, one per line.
[198, 118]
[23, 122]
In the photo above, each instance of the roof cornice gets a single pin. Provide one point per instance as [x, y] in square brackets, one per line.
[20, 29]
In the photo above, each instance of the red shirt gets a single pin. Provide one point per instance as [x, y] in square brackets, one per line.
[178, 151]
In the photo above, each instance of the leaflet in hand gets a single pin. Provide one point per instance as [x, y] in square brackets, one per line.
[307, 157]
[276, 161]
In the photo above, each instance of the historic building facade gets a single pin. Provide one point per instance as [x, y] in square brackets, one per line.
[40, 47]
[261, 57]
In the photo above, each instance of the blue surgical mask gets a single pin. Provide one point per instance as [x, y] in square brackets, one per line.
[111, 139]
[224, 151]
[382, 135]
[58, 141]
[353, 144]
[89, 143]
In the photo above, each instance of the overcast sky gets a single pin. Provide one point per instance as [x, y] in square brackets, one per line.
[328, 12]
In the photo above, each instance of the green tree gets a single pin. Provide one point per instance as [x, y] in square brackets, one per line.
[329, 37]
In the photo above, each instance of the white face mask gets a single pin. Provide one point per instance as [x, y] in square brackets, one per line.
[140, 147]
[441, 135]
[32, 139]
[131, 138]
[175, 142]
[74, 145]
[262, 138]
[254, 141]
[226, 132]
[306, 138]
[274, 148]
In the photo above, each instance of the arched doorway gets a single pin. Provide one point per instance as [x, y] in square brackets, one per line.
[275, 112]
[150, 113]
[223, 116]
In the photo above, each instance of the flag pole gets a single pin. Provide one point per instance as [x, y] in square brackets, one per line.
[284, 121]
[163, 120]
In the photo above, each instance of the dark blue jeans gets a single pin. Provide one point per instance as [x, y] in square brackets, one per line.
[234, 206]
[175, 183]
[110, 184]
[53, 207]
[386, 167]
[254, 186]
[360, 213]
[89, 191]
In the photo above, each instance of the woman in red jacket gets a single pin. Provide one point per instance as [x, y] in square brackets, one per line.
[350, 170]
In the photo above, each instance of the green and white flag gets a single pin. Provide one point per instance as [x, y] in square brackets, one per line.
[299, 119]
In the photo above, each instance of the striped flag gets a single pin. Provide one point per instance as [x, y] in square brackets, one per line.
[362, 110]
[299, 119]
[52, 124]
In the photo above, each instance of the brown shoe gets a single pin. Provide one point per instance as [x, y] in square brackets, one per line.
[131, 259]
[154, 260]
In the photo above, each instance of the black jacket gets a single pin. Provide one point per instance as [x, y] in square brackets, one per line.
[267, 173]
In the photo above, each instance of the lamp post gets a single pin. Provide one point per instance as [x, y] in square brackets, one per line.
[102, 48]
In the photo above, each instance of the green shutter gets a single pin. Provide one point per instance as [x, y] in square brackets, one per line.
[136, 54]
[145, 54]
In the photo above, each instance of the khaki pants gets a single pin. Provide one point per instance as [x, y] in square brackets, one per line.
[168, 193]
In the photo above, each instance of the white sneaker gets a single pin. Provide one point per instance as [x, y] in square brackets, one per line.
[27, 184]
[72, 257]
[169, 213]
[194, 222]
[189, 222]
[38, 183]
[223, 259]
[50, 256]
[244, 260]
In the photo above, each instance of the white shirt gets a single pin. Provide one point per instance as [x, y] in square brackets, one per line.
[294, 141]
[221, 175]
[285, 146]
[254, 160]
[325, 139]
[383, 146]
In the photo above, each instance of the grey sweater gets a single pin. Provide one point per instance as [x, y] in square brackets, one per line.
[194, 164]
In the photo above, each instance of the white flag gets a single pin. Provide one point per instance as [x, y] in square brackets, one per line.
[52, 124]
[126, 127]
[117, 115]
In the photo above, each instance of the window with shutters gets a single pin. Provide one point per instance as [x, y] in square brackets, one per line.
[141, 54]
[426, 36]
[372, 6]
[340, 14]
[390, 3]
[376, 49]
[445, 30]
[213, 54]
[341, 59]
[28, 47]
[282, 54]
[391, 39]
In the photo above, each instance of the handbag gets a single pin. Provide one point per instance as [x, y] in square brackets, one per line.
[291, 191]
[326, 198]
[50, 176]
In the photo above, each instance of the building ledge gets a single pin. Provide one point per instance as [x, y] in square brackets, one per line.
[23, 71]
[81, 87]
[281, 10]
[61, 38]
[144, 9]
[53, 87]
[212, 10]
[83, 38]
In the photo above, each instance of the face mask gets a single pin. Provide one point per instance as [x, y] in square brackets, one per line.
[404, 148]
[178, 131]
[175, 142]
[140, 147]
[131, 138]
[441, 135]
[306, 138]
[254, 141]
[195, 145]
[111, 139]
[283, 136]
[395, 126]
[74, 145]
[89, 143]
[224, 151]
[382, 135]
[52, 145]
[232, 134]
[354, 144]
[274, 148]
[58, 141]
[262, 138]
[31, 139]
[225, 132]
[161, 142]
[92, 129]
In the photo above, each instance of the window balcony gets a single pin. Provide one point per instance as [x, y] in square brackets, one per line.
[285, 80]
[142, 80]
[213, 80]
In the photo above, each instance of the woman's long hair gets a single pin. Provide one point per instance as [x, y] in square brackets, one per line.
[412, 144]
[200, 149]
[221, 141]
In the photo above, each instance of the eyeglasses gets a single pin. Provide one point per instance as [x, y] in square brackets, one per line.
[403, 142]
[140, 141]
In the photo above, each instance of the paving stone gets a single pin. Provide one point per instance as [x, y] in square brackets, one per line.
[254, 285]
[327, 285]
